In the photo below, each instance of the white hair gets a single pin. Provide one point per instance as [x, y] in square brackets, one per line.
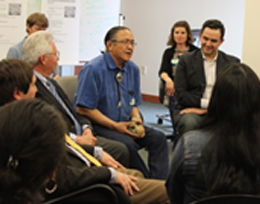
[37, 44]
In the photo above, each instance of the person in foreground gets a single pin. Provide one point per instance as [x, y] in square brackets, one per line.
[17, 82]
[180, 40]
[196, 74]
[28, 158]
[222, 155]
[109, 94]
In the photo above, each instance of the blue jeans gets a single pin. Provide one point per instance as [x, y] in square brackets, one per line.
[154, 141]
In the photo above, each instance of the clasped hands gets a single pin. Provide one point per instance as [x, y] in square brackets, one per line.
[87, 138]
[123, 127]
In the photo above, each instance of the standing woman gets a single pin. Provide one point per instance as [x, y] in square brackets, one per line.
[180, 40]
[222, 155]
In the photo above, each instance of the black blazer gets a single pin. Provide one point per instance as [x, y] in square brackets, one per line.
[73, 174]
[190, 77]
[166, 65]
[44, 94]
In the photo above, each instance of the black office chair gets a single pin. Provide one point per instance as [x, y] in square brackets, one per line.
[85, 196]
[230, 199]
[164, 99]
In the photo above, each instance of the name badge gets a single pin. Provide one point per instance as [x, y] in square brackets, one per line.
[174, 61]
[132, 102]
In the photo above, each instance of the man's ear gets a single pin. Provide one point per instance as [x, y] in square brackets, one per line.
[17, 94]
[109, 45]
[42, 59]
[28, 29]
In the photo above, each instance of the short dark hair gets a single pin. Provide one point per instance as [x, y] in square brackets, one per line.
[111, 34]
[31, 148]
[184, 24]
[37, 19]
[14, 74]
[214, 24]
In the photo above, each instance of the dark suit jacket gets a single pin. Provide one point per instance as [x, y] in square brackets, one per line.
[46, 95]
[190, 77]
[73, 174]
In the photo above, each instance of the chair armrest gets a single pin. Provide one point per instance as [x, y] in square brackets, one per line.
[100, 188]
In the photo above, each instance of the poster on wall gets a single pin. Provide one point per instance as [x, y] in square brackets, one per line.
[78, 26]
[12, 25]
[63, 19]
[196, 37]
[97, 17]
[33, 6]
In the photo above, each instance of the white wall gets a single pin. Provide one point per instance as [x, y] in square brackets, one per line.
[251, 44]
[151, 21]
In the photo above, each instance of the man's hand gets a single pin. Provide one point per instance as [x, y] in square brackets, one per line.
[122, 127]
[137, 126]
[109, 161]
[199, 111]
[87, 138]
[127, 182]
[137, 120]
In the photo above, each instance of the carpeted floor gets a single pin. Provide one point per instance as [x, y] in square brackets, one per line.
[150, 111]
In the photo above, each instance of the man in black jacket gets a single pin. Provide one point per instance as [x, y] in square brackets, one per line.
[196, 74]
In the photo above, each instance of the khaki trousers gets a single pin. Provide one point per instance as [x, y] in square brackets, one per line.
[152, 191]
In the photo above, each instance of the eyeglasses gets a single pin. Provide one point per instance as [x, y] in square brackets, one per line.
[57, 53]
[126, 42]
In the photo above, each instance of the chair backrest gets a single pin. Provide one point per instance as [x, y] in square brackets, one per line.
[230, 199]
[69, 85]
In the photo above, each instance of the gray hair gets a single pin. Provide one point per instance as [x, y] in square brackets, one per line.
[37, 44]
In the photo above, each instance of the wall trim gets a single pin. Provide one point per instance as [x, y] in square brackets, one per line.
[150, 98]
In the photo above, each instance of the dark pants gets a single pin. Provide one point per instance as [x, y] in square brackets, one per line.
[154, 141]
[171, 108]
[186, 122]
[116, 149]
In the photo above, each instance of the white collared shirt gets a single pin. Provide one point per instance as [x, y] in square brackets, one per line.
[210, 70]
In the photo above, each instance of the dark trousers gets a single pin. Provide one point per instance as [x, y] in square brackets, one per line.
[116, 149]
[154, 141]
[171, 108]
